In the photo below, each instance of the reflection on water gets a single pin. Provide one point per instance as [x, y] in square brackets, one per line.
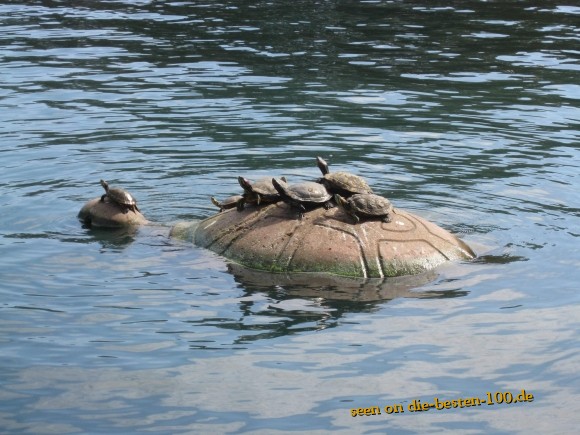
[465, 114]
[332, 288]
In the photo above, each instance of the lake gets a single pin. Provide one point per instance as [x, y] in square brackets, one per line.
[464, 113]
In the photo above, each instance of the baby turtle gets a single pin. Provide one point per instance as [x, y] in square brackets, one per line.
[227, 203]
[343, 183]
[120, 197]
[258, 192]
[303, 196]
[366, 205]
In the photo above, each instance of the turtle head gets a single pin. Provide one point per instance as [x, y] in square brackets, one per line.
[278, 185]
[322, 165]
[340, 201]
[245, 183]
[105, 185]
[215, 202]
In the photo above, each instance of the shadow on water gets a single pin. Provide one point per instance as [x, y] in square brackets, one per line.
[71, 233]
[276, 305]
[121, 238]
[112, 238]
[499, 259]
[334, 289]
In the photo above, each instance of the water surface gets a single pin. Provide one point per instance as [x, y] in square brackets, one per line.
[466, 114]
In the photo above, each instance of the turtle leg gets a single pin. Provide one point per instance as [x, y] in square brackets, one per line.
[240, 204]
[355, 218]
[387, 218]
[301, 210]
[328, 205]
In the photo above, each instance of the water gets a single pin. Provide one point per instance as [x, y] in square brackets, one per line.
[465, 113]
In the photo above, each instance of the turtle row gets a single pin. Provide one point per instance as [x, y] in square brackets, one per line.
[349, 191]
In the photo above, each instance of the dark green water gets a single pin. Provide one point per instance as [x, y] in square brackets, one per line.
[466, 113]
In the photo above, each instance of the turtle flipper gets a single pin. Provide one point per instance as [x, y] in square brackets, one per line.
[240, 204]
[355, 217]
[301, 210]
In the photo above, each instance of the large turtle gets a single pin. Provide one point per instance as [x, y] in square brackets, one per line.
[366, 205]
[120, 197]
[343, 183]
[262, 191]
[227, 203]
[303, 196]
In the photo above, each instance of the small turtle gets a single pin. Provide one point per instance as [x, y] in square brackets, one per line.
[302, 196]
[227, 203]
[343, 183]
[120, 197]
[258, 192]
[366, 205]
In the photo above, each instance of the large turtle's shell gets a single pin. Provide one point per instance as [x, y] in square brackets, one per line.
[304, 192]
[270, 238]
[370, 205]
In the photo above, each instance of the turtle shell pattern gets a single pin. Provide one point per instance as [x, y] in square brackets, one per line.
[264, 186]
[305, 192]
[119, 196]
[347, 183]
[370, 205]
[258, 192]
[367, 206]
[343, 183]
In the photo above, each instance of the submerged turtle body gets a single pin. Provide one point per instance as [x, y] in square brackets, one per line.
[227, 203]
[369, 206]
[303, 196]
[342, 183]
[120, 197]
[262, 191]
